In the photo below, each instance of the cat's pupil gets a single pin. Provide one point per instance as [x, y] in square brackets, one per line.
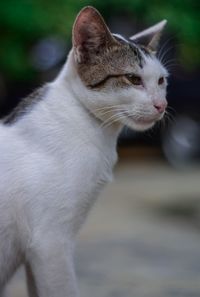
[161, 80]
[134, 79]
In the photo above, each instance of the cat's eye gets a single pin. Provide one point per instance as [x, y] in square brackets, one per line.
[161, 80]
[134, 79]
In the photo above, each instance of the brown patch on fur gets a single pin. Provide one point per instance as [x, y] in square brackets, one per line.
[111, 63]
[114, 80]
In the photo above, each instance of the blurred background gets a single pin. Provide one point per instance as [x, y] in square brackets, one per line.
[142, 238]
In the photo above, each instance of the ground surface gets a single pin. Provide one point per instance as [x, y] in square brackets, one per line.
[142, 238]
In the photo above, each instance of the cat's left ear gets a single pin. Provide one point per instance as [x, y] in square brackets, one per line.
[151, 36]
[90, 34]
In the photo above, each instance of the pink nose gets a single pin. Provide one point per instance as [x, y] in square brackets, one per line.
[160, 106]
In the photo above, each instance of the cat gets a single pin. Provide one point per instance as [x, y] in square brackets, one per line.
[58, 148]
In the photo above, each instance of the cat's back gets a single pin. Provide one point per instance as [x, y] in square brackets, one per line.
[10, 144]
[22, 164]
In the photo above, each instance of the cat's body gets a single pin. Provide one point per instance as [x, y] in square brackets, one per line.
[54, 159]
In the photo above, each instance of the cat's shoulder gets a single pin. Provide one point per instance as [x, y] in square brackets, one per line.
[25, 105]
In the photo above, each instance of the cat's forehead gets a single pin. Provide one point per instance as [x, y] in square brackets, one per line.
[139, 51]
[129, 55]
[147, 61]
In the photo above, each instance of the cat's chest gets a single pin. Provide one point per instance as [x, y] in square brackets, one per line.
[93, 171]
[89, 159]
[77, 182]
[90, 167]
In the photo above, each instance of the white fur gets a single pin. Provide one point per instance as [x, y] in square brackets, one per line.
[53, 163]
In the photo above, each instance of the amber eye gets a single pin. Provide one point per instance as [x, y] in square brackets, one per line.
[134, 79]
[161, 80]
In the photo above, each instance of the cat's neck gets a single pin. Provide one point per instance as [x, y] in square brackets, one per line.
[62, 110]
[69, 82]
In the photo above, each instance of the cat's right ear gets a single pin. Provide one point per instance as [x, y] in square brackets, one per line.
[90, 34]
[151, 36]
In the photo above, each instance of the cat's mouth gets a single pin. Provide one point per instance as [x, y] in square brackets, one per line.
[141, 123]
[144, 121]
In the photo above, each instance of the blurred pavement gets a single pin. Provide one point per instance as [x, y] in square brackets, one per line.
[142, 238]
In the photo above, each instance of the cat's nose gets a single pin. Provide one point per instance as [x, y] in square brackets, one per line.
[161, 106]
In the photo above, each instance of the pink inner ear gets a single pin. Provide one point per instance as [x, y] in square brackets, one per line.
[89, 30]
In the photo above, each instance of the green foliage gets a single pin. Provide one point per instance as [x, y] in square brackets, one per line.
[23, 22]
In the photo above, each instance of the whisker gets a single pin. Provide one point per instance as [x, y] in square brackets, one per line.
[171, 61]
[112, 119]
[168, 119]
[105, 108]
[161, 50]
[108, 120]
[171, 109]
[109, 111]
[165, 53]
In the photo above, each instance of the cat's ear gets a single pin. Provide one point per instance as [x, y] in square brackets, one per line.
[90, 34]
[151, 36]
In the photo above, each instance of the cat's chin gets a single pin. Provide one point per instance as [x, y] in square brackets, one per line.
[139, 125]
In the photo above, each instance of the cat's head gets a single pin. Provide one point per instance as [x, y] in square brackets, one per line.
[122, 80]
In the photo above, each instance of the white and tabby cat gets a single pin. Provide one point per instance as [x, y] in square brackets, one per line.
[58, 148]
